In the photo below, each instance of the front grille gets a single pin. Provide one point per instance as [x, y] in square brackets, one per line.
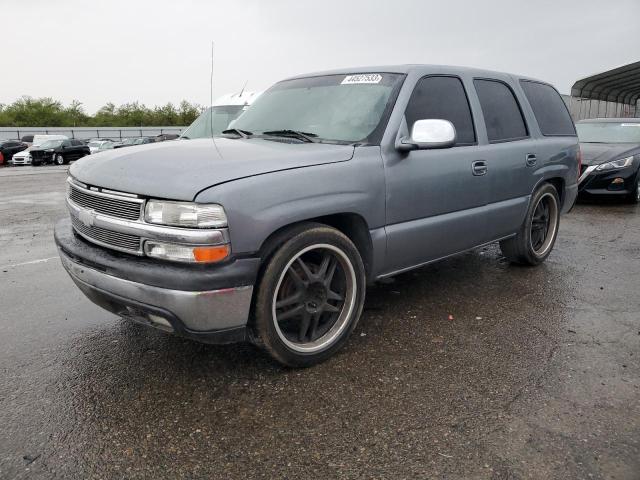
[114, 207]
[109, 238]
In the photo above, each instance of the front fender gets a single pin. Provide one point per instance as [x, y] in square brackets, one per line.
[259, 205]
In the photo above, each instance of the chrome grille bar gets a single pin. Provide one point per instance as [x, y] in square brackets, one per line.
[108, 238]
[118, 206]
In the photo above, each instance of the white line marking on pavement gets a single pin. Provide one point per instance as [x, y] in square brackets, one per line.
[41, 260]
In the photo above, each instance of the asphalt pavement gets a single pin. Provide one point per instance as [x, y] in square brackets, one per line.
[470, 368]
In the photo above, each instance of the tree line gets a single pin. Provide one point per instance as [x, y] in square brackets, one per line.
[47, 112]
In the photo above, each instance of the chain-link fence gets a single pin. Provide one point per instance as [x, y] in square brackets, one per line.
[83, 133]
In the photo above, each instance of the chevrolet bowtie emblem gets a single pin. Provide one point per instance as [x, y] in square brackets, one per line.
[87, 217]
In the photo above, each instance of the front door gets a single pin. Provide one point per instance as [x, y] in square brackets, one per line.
[436, 198]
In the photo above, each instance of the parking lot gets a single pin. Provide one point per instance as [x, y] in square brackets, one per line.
[470, 368]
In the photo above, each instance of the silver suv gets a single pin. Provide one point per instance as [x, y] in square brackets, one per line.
[271, 231]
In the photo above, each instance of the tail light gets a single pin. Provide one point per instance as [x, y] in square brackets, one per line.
[579, 157]
[1, 158]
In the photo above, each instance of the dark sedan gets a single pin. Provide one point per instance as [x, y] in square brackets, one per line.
[610, 157]
[8, 148]
[59, 152]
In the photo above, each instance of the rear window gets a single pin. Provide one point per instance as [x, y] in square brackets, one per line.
[501, 111]
[549, 108]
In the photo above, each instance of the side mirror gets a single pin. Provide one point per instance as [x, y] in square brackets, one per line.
[426, 134]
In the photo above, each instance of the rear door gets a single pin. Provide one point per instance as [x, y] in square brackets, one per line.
[511, 153]
[435, 200]
[76, 148]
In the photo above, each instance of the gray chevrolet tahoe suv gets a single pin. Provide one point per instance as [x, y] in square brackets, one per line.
[271, 231]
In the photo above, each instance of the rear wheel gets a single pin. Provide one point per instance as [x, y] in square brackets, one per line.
[537, 236]
[310, 296]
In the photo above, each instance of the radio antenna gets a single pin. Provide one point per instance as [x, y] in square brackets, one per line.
[243, 87]
[211, 104]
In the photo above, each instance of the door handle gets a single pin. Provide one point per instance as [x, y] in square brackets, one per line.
[531, 159]
[479, 167]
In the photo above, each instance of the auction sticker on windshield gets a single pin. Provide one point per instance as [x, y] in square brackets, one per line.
[362, 78]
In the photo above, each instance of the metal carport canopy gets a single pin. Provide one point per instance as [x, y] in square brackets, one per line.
[621, 85]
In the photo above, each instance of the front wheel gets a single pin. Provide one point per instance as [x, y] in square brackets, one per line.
[58, 159]
[537, 236]
[634, 197]
[310, 296]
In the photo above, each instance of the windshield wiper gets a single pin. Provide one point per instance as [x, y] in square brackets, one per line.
[237, 131]
[304, 136]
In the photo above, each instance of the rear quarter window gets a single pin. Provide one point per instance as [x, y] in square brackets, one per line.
[549, 109]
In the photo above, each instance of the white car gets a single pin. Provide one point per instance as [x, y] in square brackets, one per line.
[98, 145]
[225, 110]
[24, 157]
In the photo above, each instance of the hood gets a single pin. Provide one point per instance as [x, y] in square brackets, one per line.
[179, 170]
[597, 153]
[24, 152]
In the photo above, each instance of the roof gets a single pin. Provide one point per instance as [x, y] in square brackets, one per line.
[611, 120]
[621, 85]
[420, 68]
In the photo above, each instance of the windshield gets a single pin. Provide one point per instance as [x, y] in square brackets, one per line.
[222, 116]
[51, 144]
[342, 108]
[609, 132]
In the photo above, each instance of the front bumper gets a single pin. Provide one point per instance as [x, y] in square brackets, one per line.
[210, 305]
[21, 160]
[593, 182]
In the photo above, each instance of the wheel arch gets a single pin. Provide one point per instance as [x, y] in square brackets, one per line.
[557, 182]
[353, 225]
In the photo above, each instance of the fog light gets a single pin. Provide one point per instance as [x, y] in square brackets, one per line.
[616, 184]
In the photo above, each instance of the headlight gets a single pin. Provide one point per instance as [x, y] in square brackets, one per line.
[622, 163]
[186, 253]
[185, 214]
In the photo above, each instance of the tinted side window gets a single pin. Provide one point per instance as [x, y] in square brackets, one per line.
[501, 112]
[549, 108]
[66, 143]
[444, 98]
[76, 143]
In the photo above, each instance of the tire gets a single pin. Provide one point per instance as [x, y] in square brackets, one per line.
[58, 159]
[36, 164]
[535, 240]
[634, 197]
[310, 296]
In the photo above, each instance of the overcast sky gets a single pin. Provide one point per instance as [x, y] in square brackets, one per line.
[157, 51]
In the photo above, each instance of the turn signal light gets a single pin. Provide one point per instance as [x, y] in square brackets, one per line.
[210, 254]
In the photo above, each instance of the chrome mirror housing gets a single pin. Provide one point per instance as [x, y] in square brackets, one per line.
[430, 133]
